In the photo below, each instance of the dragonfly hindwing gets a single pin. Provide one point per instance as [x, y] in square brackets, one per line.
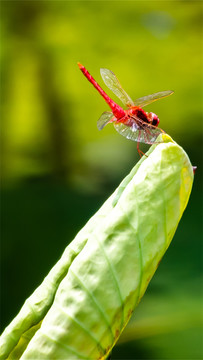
[114, 85]
[104, 119]
[144, 134]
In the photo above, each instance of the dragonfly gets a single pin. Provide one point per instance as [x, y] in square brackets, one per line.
[134, 123]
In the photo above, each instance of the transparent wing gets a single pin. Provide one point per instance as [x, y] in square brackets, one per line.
[146, 100]
[114, 85]
[104, 119]
[145, 134]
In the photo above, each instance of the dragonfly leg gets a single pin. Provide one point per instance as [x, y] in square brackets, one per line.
[140, 152]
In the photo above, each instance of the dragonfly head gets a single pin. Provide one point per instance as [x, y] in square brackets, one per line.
[153, 119]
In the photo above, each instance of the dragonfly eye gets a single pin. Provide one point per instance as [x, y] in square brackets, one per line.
[153, 118]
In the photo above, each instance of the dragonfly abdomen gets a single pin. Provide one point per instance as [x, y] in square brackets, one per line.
[116, 109]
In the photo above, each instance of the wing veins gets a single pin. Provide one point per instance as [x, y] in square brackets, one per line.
[146, 100]
[114, 85]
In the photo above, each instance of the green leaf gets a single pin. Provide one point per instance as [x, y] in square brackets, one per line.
[85, 302]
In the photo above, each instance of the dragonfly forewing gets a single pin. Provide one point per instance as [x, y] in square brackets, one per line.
[146, 100]
[104, 119]
[114, 85]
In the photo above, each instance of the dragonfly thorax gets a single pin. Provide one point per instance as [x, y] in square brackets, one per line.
[138, 113]
[149, 118]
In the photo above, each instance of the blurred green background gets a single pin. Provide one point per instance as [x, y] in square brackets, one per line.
[57, 168]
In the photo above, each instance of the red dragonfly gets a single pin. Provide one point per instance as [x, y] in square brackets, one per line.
[134, 123]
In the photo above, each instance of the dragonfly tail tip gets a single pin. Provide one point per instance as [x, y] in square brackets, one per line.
[80, 65]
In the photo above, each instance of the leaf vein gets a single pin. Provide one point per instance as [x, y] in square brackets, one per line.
[95, 302]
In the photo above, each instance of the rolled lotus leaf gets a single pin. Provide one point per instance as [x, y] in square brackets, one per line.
[85, 302]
